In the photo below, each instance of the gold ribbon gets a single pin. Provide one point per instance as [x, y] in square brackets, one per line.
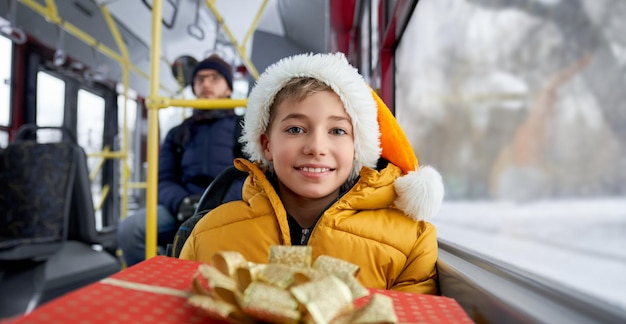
[147, 288]
[286, 290]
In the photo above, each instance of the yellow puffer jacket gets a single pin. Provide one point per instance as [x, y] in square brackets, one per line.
[362, 227]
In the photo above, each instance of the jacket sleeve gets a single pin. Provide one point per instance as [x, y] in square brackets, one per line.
[420, 272]
[171, 190]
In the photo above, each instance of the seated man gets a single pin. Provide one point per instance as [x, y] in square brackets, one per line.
[191, 156]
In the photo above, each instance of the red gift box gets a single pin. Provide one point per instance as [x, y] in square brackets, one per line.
[122, 298]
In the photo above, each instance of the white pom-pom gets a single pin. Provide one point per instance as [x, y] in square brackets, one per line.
[420, 193]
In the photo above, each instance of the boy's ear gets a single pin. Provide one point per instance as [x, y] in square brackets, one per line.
[265, 144]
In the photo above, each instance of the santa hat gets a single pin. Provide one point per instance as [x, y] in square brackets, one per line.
[376, 132]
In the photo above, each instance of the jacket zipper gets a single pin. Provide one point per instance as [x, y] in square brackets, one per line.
[305, 239]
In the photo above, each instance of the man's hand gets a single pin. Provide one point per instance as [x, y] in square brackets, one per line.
[187, 207]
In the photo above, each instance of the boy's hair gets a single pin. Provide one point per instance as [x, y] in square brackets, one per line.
[296, 89]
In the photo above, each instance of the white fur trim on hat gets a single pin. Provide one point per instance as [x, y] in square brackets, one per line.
[335, 71]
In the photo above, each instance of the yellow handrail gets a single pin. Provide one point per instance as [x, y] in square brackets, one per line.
[98, 167]
[164, 102]
[255, 22]
[154, 102]
[137, 185]
[103, 196]
[106, 154]
[153, 125]
[104, 192]
[50, 14]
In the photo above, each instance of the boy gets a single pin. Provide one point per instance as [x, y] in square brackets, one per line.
[333, 170]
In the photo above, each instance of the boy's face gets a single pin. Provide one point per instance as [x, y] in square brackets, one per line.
[311, 145]
[210, 84]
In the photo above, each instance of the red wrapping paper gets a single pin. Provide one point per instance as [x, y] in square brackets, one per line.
[106, 303]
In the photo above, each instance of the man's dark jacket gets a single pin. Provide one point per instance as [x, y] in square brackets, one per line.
[193, 154]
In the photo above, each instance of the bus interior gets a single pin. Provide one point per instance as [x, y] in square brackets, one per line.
[520, 104]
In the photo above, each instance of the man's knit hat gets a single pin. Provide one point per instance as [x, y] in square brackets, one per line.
[214, 62]
[376, 131]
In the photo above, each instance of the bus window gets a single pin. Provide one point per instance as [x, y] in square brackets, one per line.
[6, 56]
[519, 107]
[133, 161]
[50, 105]
[89, 134]
[131, 125]
[89, 126]
[374, 44]
[4, 139]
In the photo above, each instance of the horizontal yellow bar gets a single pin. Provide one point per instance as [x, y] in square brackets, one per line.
[164, 102]
[209, 103]
[108, 155]
[137, 185]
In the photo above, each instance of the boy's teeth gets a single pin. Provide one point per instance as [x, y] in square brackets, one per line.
[315, 169]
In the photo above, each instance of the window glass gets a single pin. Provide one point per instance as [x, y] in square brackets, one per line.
[4, 139]
[6, 57]
[170, 117]
[521, 109]
[241, 87]
[133, 162]
[90, 121]
[89, 134]
[131, 125]
[364, 38]
[375, 44]
[50, 105]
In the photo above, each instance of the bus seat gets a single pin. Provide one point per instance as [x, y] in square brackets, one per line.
[38, 193]
[36, 183]
[212, 197]
[82, 226]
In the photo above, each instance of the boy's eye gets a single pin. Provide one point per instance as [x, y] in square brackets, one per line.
[338, 131]
[295, 130]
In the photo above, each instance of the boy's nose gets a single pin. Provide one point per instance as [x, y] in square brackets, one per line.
[317, 144]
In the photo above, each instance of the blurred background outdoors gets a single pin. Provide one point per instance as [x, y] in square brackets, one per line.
[521, 105]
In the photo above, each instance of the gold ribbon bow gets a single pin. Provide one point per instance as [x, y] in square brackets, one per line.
[288, 289]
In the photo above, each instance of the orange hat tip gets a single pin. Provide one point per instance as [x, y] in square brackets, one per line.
[420, 193]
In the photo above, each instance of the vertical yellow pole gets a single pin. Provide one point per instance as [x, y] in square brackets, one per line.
[153, 136]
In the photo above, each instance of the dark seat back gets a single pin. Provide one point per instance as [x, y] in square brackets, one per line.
[36, 186]
[212, 197]
[47, 224]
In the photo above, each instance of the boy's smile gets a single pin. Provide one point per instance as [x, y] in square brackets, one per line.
[311, 145]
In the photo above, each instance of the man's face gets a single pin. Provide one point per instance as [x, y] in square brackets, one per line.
[210, 84]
